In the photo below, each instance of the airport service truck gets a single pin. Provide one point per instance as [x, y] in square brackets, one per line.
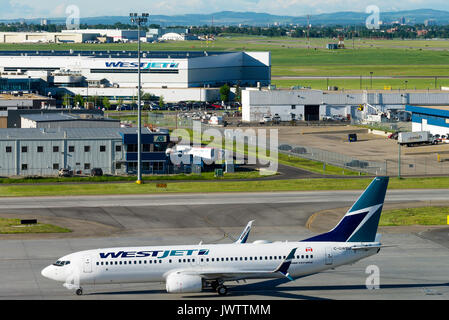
[416, 138]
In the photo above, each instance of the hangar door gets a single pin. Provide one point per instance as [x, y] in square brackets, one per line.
[312, 112]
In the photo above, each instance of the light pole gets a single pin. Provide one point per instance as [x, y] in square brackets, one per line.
[371, 76]
[139, 20]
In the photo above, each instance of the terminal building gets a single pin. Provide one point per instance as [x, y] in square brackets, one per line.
[114, 73]
[44, 152]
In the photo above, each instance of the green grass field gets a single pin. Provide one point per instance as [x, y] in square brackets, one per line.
[218, 186]
[415, 216]
[365, 84]
[294, 57]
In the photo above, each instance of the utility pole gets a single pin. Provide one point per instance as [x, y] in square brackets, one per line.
[139, 20]
[399, 160]
[308, 31]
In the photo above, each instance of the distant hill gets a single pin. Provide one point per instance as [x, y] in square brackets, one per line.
[264, 19]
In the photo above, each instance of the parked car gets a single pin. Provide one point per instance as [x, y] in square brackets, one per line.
[266, 119]
[96, 172]
[65, 173]
[285, 147]
[357, 163]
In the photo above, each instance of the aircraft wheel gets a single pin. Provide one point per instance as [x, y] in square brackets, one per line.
[79, 292]
[214, 285]
[222, 290]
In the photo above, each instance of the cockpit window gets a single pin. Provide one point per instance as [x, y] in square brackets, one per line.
[61, 263]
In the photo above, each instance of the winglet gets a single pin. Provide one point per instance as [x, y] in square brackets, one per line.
[244, 236]
[285, 265]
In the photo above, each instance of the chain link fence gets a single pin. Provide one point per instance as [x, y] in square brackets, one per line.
[334, 158]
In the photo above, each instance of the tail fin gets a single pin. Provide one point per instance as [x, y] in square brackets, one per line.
[361, 221]
[244, 236]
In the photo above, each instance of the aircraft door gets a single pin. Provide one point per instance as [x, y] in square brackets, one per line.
[87, 264]
[328, 259]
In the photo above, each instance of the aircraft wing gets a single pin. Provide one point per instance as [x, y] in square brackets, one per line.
[236, 274]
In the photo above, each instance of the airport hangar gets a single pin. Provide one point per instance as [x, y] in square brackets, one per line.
[314, 105]
[194, 75]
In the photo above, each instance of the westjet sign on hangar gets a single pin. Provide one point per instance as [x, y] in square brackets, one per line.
[143, 65]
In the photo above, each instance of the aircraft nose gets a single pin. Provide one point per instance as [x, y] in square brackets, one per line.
[46, 272]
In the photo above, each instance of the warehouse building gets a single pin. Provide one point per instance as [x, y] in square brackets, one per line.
[314, 105]
[430, 118]
[47, 37]
[21, 101]
[44, 152]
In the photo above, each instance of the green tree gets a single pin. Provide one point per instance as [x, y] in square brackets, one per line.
[67, 100]
[106, 103]
[224, 93]
[79, 101]
[238, 94]
[161, 102]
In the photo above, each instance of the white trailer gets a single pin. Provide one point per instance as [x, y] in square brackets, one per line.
[416, 138]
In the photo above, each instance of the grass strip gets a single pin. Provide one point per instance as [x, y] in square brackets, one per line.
[219, 186]
[415, 216]
[13, 226]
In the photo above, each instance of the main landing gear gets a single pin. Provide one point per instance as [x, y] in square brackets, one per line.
[79, 291]
[221, 289]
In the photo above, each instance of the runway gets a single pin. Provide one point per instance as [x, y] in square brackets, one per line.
[416, 268]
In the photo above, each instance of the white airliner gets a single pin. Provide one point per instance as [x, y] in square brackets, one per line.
[189, 269]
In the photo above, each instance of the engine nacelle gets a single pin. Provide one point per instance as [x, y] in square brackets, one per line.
[183, 283]
[261, 242]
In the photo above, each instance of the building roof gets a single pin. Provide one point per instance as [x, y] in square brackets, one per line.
[441, 111]
[30, 96]
[117, 54]
[68, 133]
[53, 117]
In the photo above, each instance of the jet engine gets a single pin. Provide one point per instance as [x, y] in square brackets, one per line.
[183, 283]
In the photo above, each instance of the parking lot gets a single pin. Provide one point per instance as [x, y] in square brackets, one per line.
[418, 160]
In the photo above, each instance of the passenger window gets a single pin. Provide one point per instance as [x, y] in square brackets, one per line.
[307, 256]
[255, 258]
[311, 256]
[302, 256]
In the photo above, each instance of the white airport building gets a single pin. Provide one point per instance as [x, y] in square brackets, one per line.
[114, 73]
[314, 105]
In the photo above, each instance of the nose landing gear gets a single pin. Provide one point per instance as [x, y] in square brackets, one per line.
[79, 291]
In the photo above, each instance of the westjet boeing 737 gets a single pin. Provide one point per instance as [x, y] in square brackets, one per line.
[189, 269]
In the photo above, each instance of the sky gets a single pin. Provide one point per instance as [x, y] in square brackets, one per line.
[13, 9]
